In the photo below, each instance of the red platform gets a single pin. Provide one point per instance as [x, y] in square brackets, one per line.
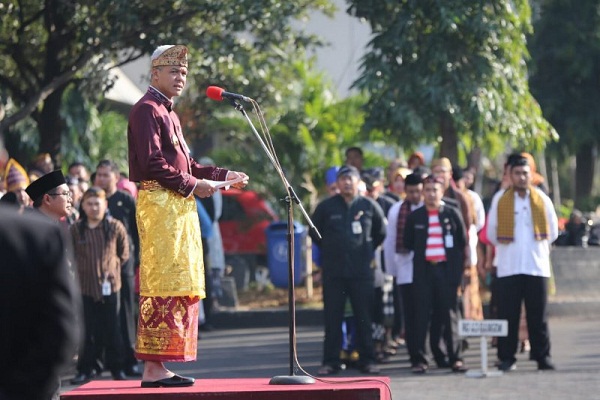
[238, 389]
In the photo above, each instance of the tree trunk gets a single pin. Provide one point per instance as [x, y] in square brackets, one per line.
[584, 171]
[50, 126]
[449, 145]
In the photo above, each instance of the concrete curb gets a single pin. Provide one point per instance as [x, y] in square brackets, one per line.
[268, 318]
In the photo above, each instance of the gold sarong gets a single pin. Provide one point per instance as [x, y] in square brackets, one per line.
[170, 245]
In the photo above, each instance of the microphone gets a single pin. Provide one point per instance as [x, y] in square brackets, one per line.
[218, 94]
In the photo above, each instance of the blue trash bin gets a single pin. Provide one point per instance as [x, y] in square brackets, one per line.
[277, 253]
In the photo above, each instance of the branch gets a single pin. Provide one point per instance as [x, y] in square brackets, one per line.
[46, 91]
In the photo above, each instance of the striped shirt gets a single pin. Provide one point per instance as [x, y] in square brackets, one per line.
[434, 250]
[99, 256]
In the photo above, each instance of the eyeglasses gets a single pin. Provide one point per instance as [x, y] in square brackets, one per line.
[66, 194]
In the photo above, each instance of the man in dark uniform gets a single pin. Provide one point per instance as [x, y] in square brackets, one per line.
[39, 332]
[352, 226]
[121, 206]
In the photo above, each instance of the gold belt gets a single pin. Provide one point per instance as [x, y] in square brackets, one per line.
[150, 185]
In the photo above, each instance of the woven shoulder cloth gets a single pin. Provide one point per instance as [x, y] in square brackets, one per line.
[506, 216]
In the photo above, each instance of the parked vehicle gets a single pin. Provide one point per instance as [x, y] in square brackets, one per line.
[246, 215]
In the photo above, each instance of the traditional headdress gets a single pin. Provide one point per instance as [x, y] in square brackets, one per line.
[170, 55]
[15, 176]
[442, 162]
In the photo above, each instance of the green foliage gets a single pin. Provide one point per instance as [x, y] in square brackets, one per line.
[49, 46]
[310, 131]
[461, 60]
[91, 136]
[566, 64]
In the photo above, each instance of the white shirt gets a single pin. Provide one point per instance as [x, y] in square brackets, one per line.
[524, 255]
[398, 265]
[475, 228]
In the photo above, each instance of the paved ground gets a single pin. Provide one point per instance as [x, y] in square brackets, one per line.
[264, 352]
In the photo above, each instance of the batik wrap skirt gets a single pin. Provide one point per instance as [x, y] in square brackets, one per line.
[171, 275]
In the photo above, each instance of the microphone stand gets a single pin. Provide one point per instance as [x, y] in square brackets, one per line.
[292, 378]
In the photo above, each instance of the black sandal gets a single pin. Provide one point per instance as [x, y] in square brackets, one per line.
[419, 369]
[459, 366]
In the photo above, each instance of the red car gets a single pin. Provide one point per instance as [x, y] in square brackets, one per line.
[245, 217]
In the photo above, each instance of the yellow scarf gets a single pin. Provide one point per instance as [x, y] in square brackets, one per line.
[506, 216]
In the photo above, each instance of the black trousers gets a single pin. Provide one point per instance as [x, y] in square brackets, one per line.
[511, 292]
[435, 296]
[128, 320]
[360, 293]
[398, 326]
[102, 331]
[408, 311]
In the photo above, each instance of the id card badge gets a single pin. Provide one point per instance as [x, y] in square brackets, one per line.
[449, 240]
[356, 227]
[106, 289]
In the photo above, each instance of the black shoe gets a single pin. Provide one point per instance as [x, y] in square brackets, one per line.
[442, 364]
[81, 378]
[174, 381]
[545, 364]
[133, 371]
[507, 365]
[118, 375]
[459, 366]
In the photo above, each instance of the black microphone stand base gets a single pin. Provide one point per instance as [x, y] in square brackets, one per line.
[291, 380]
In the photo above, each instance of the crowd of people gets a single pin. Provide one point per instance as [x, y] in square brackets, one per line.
[115, 230]
[100, 220]
[402, 256]
[402, 253]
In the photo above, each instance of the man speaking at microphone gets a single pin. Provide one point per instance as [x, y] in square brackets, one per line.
[171, 264]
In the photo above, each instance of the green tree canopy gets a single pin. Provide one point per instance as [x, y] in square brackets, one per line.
[565, 78]
[450, 71]
[49, 45]
[310, 129]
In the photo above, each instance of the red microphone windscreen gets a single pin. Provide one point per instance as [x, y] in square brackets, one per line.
[214, 92]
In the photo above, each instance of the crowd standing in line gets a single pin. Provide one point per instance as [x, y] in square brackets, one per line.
[437, 260]
[418, 226]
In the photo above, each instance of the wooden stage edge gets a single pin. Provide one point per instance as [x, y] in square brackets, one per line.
[371, 388]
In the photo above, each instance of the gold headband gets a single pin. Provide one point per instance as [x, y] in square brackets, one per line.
[176, 55]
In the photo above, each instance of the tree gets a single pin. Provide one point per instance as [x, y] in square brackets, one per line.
[565, 50]
[47, 46]
[452, 72]
[310, 130]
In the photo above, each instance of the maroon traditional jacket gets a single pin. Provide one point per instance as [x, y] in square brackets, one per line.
[157, 149]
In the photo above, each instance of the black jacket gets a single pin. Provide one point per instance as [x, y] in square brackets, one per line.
[41, 309]
[415, 238]
[347, 252]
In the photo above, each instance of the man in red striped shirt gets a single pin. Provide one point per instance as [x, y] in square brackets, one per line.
[437, 235]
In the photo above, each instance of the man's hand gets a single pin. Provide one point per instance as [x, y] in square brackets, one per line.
[203, 189]
[234, 175]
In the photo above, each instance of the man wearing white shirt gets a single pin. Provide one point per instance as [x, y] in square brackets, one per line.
[522, 225]
[399, 260]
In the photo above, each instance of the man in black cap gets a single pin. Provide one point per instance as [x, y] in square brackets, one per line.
[351, 226]
[40, 306]
[51, 195]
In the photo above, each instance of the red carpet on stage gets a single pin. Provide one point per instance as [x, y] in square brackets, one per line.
[238, 389]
